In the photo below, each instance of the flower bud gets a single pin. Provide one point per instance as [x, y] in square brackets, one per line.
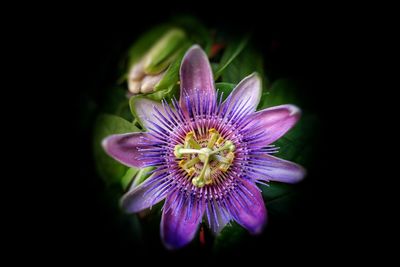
[163, 52]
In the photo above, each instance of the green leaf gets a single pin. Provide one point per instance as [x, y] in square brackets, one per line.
[142, 175]
[225, 88]
[230, 236]
[117, 103]
[231, 52]
[195, 30]
[296, 145]
[110, 170]
[275, 190]
[281, 92]
[128, 177]
[247, 62]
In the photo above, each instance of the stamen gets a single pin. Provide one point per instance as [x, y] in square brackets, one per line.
[213, 138]
[177, 153]
[217, 154]
[229, 158]
[227, 146]
[190, 142]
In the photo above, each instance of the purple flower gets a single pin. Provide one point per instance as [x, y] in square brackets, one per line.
[208, 153]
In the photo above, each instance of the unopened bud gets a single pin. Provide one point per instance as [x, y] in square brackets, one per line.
[134, 86]
[136, 71]
[163, 52]
[149, 82]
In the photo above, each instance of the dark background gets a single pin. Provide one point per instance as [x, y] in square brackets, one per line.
[86, 46]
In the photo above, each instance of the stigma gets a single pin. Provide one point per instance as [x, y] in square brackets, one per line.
[203, 158]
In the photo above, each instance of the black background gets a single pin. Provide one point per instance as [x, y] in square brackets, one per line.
[85, 45]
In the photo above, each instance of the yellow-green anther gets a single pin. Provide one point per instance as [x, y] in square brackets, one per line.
[214, 135]
[190, 142]
[222, 159]
[163, 52]
[229, 144]
[191, 171]
[229, 159]
[177, 151]
[220, 141]
[207, 175]
[198, 182]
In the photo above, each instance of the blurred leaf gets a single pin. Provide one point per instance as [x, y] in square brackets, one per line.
[142, 175]
[281, 92]
[275, 190]
[128, 177]
[296, 145]
[195, 30]
[247, 62]
[230, 236]
[117, 103]
[168, 94]
[231, 52]
[109, 169]
[283, 205]
[225, 88]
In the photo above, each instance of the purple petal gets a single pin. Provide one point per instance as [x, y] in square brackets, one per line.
[281, 170]
[125, 148]
[145, 195]
[180, 220]
[218, 217]
[248, 90]
[196, 78]
[275, 122]
[250, 209]
[145, 110]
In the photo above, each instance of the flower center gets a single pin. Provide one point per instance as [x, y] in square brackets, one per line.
[202, 159]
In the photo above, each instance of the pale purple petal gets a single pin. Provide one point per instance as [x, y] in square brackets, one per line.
[218, 218]
[180, 219]
[248, 90]
[274, 122]
[250, 211]
[196, 78]
[280, 170]
[146, 110]
[125, 148]
[145, 195]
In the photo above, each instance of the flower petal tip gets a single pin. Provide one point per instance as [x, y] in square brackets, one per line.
[105, 143]
[302, 172]
[258, 230]
[294, 110]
